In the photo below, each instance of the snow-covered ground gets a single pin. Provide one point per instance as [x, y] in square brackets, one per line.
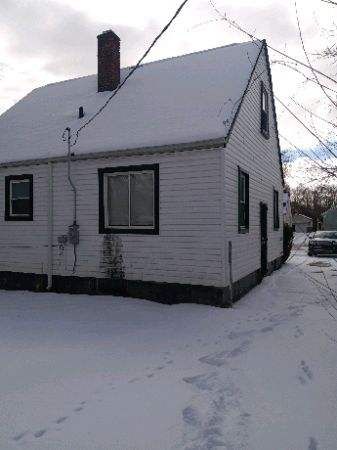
[81, 372]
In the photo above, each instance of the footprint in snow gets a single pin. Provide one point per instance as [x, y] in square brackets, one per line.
[203, 382]
[78, 409]
[306, 370]
[313, 444]
[19, 436]
[240, 334]
[298, 332]
[219, 359]
[61, 419]
[307, 374]
[191, 416]
[40, 433]
[133, 380]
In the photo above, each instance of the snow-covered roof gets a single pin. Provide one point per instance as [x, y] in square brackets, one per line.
[301, 217]
[173, 101]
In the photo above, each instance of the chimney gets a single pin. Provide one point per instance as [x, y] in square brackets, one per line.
[108, 76]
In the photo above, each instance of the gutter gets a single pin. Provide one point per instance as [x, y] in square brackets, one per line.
[197, 145]
[50, 226]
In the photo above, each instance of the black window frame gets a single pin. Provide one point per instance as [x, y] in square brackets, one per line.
[19, 217]
[264, 114]
[243, 219]
[103, 229]
[276, 209]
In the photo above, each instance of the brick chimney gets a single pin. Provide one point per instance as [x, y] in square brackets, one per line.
[108, 75]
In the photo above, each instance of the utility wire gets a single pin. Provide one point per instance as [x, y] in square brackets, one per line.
[306, 127]
[308, 59]
[307, 155]
[253, 37]
[294, 67]
[131, 72]
[312, 113]
[255, 41]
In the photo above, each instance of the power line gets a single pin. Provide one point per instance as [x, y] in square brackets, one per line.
[296, 69]
[131, 72]
[307, 56]
[307, 155]
[325, 169]
[253, 37]
[312, 113]
[306, 127]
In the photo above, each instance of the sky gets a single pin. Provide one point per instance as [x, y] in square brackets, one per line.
[43, 41]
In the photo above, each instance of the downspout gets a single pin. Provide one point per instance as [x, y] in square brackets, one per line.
[227, 247]
[222, 222]
[50, 225]
[73, 233]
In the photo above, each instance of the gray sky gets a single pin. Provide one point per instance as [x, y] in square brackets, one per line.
[43, 41]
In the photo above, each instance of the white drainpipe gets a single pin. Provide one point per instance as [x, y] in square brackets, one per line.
[50, 225]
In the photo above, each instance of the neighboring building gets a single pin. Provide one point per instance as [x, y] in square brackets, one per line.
[302, 223]
[330, 219]
[287, 216]
[174, 191]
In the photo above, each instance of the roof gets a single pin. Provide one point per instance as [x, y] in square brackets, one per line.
[173, 101]
[298, 217]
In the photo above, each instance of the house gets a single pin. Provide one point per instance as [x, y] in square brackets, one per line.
[172, 193]
[302, 223]
[330, 219]
[287, 215]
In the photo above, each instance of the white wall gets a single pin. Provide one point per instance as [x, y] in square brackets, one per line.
[187, 250]
[258, 157]
[23, 245]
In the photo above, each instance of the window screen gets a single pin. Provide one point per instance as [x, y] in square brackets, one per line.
[129, 199]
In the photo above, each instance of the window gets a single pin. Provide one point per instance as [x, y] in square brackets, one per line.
[243, 201]
[19, 197]
[276, 211]
[264, 111]
[129, 199]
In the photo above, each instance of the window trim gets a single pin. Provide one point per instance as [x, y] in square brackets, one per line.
[276, 211]
[8, 204]
[102, 194]
[264, 132]
[243, 229]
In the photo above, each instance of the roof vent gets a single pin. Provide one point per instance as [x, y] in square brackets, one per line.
[80, 112]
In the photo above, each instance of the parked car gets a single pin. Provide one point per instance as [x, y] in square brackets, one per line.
[323, 243]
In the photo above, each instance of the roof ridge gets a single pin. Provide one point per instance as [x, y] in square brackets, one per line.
[152, 62]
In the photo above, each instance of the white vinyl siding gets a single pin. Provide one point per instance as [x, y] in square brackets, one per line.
[187, 250]
[259, 157]
[23, 244]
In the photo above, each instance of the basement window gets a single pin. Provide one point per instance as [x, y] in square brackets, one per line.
[264, 111]
[243, 201]
[128, 199]
[19, 197]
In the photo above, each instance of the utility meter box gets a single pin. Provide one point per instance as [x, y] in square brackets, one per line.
[74, 234]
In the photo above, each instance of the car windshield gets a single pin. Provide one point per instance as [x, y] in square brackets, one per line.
[326, 235]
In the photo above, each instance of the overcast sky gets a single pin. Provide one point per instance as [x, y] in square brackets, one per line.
[43, 41]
